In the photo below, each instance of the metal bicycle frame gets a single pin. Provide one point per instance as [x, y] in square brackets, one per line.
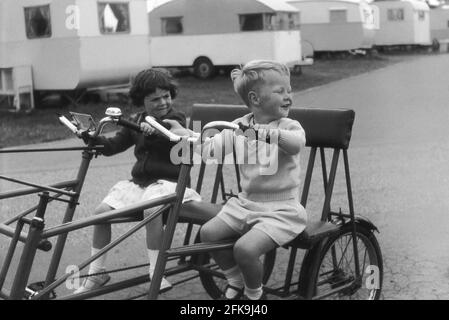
[37, 233]
[76, 185]
[326, 213]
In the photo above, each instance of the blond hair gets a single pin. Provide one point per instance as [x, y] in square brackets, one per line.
[253, 74]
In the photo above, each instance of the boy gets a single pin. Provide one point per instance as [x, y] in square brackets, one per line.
[267, 213]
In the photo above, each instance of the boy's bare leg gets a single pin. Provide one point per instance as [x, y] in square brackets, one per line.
[216, 230]
[247, 252]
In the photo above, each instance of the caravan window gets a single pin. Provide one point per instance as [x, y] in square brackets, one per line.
[113, 17]
[172, 25]
[251, 22]
[337, 15]
[269, 21]
[421, 15]
[293, 21]
[38, 22]
[395, 14]
[368, 16]
[287, 21]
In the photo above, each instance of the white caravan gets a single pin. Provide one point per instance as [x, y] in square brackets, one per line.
[439, 23]
[206, 34]
[71, 44]
[336, 25]
[403, 22]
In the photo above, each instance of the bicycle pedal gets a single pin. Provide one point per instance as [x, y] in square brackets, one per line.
[33, 289]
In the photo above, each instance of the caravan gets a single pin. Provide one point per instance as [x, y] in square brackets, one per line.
[439, 24]
[211, 34]
[403, 22]
[336, 25]
[70, 44]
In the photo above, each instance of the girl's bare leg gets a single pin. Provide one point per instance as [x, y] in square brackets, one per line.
[154, 231]
[102, 232]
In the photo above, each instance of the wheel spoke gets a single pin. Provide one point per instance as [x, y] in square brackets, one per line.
[343, 254]
[337, 267]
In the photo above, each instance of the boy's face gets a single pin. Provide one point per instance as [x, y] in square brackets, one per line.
[158, 104]
[274, 97]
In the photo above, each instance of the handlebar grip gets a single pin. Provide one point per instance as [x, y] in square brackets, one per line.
[162, 129]
[129, 124]
[68, 124]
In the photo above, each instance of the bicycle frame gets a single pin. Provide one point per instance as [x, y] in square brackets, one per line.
[76, 185]
[335, 136]
[328, 179]
[37, 234]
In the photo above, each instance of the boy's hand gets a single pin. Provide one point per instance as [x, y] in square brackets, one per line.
[176, 128]
[147, 129]
[264, 133]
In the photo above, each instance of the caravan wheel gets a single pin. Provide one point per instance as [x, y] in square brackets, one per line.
[203, 68]
[435, 45]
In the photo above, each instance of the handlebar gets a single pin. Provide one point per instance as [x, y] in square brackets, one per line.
[129, 124]
[219, 125]
[114, 116]
[68, 124]
[167, 133]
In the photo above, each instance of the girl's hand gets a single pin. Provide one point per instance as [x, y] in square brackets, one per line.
[176, 128]
[147, 129]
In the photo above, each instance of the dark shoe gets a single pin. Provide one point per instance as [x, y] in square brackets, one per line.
[237, 296]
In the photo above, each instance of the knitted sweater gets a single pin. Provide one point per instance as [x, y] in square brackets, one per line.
[269, 171]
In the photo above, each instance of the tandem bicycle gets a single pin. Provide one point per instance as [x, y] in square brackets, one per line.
[342, 258]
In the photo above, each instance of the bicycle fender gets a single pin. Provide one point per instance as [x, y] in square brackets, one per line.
[366, 223]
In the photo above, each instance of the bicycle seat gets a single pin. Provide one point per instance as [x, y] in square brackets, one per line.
[314, 232]
[198, 212]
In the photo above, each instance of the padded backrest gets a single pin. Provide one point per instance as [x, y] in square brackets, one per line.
[327, 128]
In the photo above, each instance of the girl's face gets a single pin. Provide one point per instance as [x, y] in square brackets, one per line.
[158, 104]
[274, 98]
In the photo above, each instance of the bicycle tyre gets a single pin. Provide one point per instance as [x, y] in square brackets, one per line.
[320, 265]
[214, 286]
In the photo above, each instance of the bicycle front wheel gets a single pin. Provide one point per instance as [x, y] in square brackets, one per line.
[335, 276]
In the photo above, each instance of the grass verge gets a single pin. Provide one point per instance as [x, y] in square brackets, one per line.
[42, 125]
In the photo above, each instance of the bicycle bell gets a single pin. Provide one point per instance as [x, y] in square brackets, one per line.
[113, 112]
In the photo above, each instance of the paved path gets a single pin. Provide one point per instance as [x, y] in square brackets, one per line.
[399, 161]
[399, 158]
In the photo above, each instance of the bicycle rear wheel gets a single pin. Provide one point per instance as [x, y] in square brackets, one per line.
[334, 276]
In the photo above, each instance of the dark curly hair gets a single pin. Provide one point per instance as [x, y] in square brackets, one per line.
[147, 81]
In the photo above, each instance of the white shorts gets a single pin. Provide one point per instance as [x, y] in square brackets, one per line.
[125, 193]
[282, 220]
